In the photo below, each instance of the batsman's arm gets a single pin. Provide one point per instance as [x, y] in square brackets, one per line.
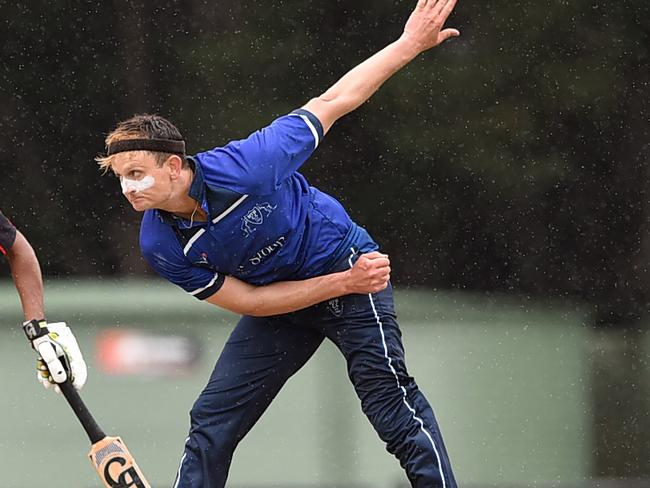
[369, 274]
[423, 30]
[55, 342]
[27, 277]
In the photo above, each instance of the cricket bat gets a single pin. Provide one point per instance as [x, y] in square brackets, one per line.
[108, 455]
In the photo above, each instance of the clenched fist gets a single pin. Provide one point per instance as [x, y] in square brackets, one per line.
[369, 274]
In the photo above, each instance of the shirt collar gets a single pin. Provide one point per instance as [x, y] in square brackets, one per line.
[196, 191]
[197, 188]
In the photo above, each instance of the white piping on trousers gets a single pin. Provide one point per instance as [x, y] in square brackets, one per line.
[178, 473]
[390, 365]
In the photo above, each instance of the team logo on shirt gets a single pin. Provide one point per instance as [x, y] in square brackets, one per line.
[255, 217]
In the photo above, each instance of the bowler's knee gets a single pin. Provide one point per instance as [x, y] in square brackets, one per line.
[207, 411]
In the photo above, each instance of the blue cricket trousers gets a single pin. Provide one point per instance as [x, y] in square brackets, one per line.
[262, 354]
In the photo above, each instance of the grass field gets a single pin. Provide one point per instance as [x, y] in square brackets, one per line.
[509, 380]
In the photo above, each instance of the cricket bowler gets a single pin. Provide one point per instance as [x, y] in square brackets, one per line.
[237, 225]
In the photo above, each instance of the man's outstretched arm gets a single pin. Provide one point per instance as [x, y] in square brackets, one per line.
[423, 30]
[369, 274]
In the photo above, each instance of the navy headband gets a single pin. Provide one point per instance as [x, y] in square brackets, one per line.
[155, 145]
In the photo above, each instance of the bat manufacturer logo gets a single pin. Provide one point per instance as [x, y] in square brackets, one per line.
[30, 330]
[115, 465]
[33, 330]
[126, 478]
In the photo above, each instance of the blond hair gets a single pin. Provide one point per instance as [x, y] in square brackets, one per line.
[143, 126]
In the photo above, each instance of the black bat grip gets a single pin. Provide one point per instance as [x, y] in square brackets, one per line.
[94, 431]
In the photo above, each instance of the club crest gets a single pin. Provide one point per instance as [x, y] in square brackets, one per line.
[255, 217]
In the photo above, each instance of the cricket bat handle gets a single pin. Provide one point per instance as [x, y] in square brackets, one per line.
[90, 425]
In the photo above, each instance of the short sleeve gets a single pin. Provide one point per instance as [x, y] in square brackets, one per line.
[166, 257]
[260, 163]
[7, 234]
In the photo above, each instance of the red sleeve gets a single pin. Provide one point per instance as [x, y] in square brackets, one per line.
[7, 234]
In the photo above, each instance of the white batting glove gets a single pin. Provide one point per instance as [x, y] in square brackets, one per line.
[59, 355]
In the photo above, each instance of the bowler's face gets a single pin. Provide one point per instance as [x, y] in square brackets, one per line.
[144, 184]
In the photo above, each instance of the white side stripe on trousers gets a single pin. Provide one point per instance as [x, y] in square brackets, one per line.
[390, 365]
[178, 473]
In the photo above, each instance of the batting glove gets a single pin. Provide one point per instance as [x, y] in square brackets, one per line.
[59, 356]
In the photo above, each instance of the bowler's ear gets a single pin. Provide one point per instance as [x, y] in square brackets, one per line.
[175, 164]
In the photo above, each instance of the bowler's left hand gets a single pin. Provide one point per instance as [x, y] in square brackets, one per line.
[369, 274]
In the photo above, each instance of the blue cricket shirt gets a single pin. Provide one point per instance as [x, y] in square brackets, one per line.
[265, 222]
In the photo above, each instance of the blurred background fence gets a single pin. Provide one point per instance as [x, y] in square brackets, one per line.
[521, 388]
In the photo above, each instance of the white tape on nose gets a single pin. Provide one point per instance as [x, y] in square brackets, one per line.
[129, 185]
